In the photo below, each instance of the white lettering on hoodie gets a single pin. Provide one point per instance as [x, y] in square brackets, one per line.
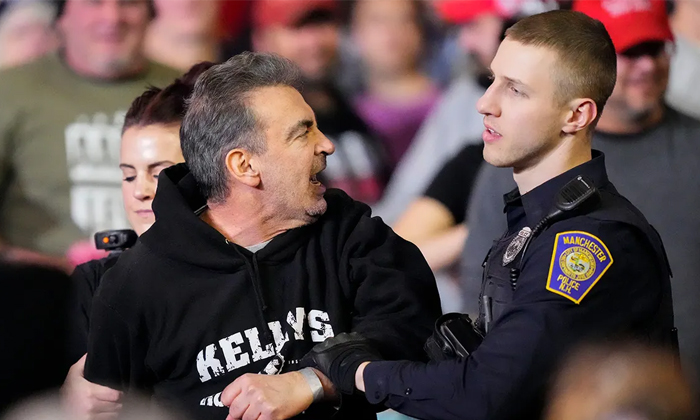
[206, 360]
[233, 350]
[231, 353]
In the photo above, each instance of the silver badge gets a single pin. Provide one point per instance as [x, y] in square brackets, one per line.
[516, 245]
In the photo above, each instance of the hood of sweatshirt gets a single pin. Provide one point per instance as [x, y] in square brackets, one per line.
[179, 203]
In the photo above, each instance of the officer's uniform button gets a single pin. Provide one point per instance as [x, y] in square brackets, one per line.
[408, 391]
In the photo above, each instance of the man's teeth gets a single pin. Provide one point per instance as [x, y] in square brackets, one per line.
[491, 131]
[313, 178]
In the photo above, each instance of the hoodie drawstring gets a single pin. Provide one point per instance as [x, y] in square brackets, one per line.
[254, 272]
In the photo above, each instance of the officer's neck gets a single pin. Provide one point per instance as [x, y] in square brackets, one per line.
[567, 155]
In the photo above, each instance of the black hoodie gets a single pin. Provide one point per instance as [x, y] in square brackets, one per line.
[185, 312]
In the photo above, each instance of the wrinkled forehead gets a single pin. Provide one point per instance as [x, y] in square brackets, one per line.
[277, 108]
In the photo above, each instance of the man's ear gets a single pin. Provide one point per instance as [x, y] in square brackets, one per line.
[582, 112]
[240, 166]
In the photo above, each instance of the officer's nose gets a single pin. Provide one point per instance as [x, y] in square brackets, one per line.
[488, 103]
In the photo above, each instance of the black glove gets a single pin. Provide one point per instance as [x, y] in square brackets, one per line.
[339, 357]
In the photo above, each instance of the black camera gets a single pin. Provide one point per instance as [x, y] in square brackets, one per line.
[115, 240]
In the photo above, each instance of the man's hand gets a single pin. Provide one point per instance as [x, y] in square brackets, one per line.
[86, 400]
[267, 397]
[339, 358]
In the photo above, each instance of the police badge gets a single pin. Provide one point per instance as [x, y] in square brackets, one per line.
[516, 245]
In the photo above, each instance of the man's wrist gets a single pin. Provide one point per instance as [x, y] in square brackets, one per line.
[314, 383]
[360, 376]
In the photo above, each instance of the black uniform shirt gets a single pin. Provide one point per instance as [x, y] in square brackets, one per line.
[598, 274]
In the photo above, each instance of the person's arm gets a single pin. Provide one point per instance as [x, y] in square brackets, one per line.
[435, 221]
[86, 400]
[117, 342]
[424, 219]
[84, 282]
[430, 226]
[394, 295]
[510, 368]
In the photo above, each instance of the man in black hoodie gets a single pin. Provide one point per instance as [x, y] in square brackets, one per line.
[251, 262]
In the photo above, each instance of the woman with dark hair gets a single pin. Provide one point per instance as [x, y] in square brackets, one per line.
[150, 143]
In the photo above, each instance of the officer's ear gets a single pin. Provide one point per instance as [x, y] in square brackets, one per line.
[241, 165]
[581, 114]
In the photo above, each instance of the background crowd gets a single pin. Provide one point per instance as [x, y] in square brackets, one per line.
[393, 84]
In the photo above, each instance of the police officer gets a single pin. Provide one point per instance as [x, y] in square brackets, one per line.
[578, 261]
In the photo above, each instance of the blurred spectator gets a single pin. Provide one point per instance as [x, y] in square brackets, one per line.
[184, 32]
[307, 32]
[390, 35]
[684, 79]
[26, 31]
[651, 153]
[435, 221]
[454, 122]
[34, 307]
[60, 125]
[48, 406]
[235, 27]
[627, 381]
[432, 213]
[234, 18]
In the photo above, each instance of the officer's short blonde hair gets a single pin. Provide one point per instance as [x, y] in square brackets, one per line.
[587, 65]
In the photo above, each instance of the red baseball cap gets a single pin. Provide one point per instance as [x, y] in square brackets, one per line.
[459, 12]
[629, 22]
[287, 12]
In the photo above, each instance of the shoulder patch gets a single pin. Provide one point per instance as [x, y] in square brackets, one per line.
[579, 260]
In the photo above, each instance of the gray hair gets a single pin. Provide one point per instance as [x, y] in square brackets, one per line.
[219, 117]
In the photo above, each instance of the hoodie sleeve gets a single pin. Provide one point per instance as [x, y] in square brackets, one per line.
[396, 300]
[116, 344]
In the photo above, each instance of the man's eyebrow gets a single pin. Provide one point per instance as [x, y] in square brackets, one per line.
[515, 81]
[296, 128]
[126, 166]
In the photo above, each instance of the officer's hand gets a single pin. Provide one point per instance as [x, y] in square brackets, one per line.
[339, 357]
[267, 397]
[87, 401]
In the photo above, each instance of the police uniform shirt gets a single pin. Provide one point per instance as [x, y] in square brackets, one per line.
[593, 275]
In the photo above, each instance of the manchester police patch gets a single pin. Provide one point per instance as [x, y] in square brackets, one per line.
[579, 260]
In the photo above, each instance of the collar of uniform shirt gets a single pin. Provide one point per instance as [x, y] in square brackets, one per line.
[538, 202]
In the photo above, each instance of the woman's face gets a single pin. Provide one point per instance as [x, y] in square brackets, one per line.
[145, 151]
